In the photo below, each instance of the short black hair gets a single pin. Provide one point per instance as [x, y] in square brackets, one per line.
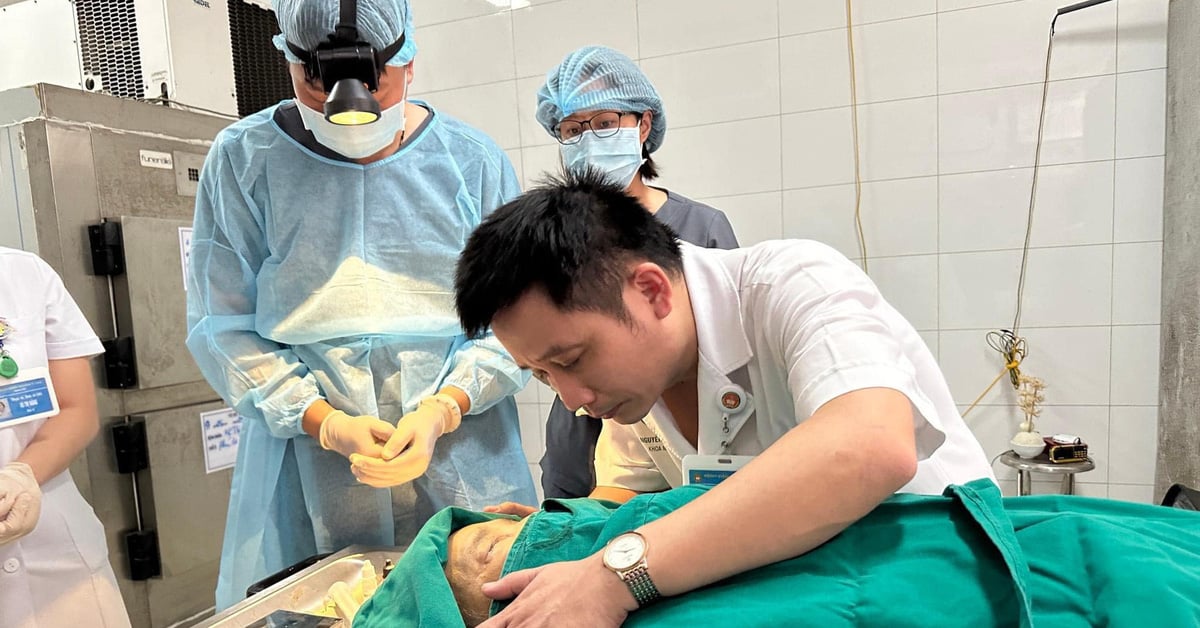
[574, 235]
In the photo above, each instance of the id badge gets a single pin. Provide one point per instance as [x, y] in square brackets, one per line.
[27, 397]
[711, 470]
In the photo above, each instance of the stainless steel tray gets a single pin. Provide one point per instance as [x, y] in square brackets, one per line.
[305, 590]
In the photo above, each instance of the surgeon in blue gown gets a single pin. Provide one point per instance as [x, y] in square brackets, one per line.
[320, 307]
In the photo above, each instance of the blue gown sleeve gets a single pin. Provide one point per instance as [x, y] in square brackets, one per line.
[482, 368]
[258, 377]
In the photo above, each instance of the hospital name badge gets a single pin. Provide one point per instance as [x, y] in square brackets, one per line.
[27, 398]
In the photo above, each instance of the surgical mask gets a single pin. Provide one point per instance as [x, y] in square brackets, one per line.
[358, 141]
[619, 155]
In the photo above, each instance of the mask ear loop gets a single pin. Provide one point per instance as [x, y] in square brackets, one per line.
[403, 102]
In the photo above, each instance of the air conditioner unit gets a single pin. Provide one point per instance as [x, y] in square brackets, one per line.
[183, 51]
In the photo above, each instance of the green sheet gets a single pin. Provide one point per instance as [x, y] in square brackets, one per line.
[969, 557]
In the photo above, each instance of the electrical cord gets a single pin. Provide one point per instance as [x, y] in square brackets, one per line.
[1014, 350]
[1008, 342]
[862, 238]
[1037, 162]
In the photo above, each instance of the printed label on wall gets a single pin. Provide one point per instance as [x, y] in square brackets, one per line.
[155, 159]
[185, 252]
[221, 430]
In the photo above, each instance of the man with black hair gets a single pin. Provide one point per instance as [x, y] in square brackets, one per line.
[606, 114]
[839, 399]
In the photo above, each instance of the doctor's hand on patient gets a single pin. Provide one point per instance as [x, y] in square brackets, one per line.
[407, 454]
[20, 501]
[558, 594]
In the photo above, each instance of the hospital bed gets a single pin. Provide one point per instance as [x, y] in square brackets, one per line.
[301, 590]
[290, 597]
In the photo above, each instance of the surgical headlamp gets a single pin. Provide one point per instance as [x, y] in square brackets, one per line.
[348, 68]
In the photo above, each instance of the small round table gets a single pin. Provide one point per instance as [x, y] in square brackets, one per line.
[1042, 464]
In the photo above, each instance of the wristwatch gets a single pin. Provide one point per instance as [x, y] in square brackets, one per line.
[625, 556]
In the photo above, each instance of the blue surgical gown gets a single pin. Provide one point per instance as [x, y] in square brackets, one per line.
[316, 278]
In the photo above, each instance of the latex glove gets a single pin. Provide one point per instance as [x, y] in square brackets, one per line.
[349, 435]
[20, 501]
[408, 452]
[368, 581]
[344, 602]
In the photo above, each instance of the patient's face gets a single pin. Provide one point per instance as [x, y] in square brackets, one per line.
[477, 555]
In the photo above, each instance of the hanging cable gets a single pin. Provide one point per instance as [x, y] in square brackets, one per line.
[1013, 348]
[1009, 343]
[862, 238]
[1037, 162]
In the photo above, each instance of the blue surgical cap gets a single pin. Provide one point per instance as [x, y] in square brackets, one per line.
[380, 23]
[595, 77]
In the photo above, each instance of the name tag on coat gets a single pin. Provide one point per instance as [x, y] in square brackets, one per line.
[27, 397]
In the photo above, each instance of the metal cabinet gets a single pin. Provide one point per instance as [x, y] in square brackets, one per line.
[70, 161]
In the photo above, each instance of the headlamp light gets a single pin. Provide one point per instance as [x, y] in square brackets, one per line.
[348, 69]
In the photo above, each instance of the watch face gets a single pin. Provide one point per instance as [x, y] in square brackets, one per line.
[625, 551]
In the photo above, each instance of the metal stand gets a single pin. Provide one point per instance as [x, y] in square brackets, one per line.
[1026, 468]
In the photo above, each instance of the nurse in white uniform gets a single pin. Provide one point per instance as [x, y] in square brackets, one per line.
[54, 568]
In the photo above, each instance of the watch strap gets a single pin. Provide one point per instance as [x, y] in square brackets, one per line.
[637, 578]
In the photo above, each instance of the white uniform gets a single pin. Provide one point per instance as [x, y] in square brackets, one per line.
[58, 575]
[795, 324]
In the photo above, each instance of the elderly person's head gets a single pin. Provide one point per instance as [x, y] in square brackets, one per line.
[476, 555]
[440, 577]
[605, 114]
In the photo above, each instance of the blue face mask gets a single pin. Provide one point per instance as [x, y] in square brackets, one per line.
[619, 155]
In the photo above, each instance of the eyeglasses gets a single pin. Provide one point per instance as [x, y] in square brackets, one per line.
[602, 124]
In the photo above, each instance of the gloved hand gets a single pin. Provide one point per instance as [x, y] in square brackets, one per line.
[349, 435]
[408, 452]
[20, 501]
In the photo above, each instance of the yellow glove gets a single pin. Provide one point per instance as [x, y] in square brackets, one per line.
[408, 452]
[349, 435]
[344, 603]
[20, 501]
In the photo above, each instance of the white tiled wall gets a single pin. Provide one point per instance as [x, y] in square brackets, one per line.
[758, 95]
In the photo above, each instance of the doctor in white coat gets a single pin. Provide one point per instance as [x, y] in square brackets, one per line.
[54, 569]
[783, 355]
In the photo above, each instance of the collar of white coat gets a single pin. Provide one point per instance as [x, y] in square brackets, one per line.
[721, 337]
[717, 309]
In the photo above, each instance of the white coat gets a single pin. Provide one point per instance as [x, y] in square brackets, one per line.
[795, 324]
[58, 575]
